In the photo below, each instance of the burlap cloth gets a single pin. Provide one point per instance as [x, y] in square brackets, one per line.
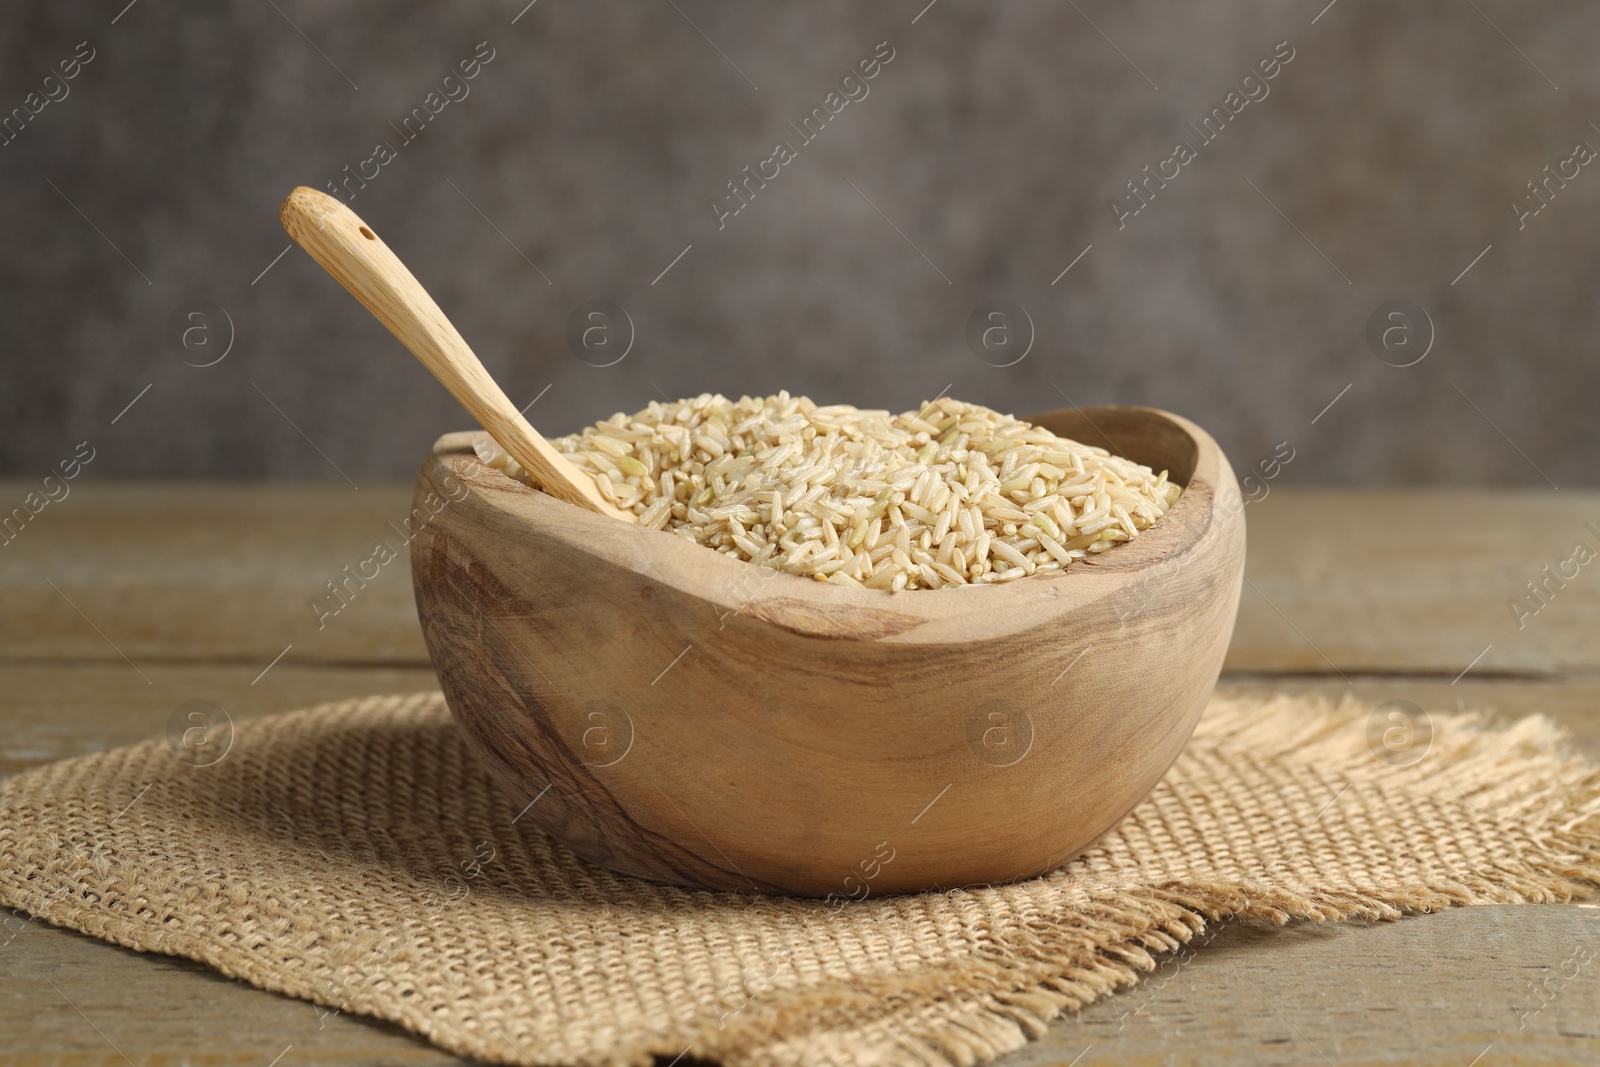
[355, 855]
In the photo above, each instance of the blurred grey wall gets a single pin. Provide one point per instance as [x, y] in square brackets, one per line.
[582, 160]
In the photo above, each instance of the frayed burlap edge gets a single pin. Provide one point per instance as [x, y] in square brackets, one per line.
[999, 1004]
[974, 1009]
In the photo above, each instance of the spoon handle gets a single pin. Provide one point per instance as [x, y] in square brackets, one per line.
[348, 249]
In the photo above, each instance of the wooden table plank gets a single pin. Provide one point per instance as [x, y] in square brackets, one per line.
[1438, 989]
[228, 573]
[215, 572]
[1573, 704]
[1419, 581]
[1427, 989]
[52, 710]
[114, 1006]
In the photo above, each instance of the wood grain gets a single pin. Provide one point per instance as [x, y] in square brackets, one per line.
[1418, 580]
[1575, 703]
[351, 251]
[1429, 989]
[209, 573]
[983, 733]
[1486, 986]
[55, 711]
[67, 1000]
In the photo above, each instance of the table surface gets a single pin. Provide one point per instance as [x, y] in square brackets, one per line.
[125, 600]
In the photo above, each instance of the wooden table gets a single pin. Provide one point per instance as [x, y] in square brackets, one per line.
[124, 601]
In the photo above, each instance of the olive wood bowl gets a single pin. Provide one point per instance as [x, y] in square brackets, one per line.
[681, 715]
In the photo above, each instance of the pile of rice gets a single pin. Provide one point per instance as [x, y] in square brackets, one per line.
[950, 494]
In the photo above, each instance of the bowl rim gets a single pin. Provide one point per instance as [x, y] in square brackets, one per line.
[813, 608]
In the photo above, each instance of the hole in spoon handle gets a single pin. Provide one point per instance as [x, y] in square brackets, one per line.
[326, 229]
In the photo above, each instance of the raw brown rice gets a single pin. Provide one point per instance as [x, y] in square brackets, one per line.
[950, 494]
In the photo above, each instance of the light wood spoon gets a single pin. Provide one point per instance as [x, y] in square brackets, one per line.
[348, 249]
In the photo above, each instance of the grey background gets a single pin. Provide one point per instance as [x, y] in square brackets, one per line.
[594, 140]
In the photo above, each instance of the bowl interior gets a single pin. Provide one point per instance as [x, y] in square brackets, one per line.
[1140, 434]
[1156, 438]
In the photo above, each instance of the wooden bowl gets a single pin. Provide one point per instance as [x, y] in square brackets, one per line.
[684, 716]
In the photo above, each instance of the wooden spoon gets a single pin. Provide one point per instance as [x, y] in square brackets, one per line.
[348, 249]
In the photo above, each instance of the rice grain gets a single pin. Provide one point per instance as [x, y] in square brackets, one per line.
[949, 494]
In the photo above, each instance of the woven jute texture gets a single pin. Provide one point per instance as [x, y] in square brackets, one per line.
[357, 856]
